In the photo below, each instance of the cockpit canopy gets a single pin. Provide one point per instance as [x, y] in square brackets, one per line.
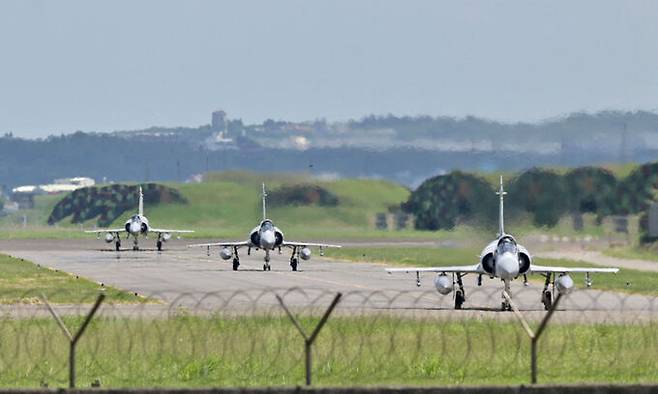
[266, 226]
[506, 245]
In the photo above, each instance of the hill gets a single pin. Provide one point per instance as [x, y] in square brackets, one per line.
[228, 205]
[403, 149]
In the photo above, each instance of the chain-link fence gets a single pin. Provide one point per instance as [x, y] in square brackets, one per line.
[254, 338]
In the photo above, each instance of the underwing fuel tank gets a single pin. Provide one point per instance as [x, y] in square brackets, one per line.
[443, 284]
[305, 253]
[564, 284]
[226, 253]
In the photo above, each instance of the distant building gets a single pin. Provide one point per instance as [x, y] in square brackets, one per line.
[24, 195]
[219, 122]
[220, 139]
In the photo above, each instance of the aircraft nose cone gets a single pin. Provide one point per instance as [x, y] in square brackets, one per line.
[135, 227]
[507, 266]
[267, 239]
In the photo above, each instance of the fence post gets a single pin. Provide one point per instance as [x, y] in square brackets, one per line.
[309, 339]
[534, 336]
[73, 339]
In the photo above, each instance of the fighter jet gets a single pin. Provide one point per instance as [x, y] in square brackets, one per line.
[137, 225]
[267, 237]
[505, 259]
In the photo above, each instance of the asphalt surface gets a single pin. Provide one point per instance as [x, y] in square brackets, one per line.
[188, 277]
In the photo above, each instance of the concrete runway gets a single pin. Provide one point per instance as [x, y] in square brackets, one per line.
[186, 276]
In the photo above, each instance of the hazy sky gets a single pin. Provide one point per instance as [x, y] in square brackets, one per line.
[102, 66]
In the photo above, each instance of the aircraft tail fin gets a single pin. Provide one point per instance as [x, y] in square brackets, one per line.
[141, 202]
[264, 196]
[501, 218]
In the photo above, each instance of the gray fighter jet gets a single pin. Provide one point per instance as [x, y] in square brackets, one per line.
[505, 259]
[137, 225]
[267, 237]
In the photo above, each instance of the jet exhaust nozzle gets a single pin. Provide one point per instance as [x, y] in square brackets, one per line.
[443, 284]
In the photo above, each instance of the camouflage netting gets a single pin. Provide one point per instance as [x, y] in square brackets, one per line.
[107, 203]
[638, 189]
[540, 192]
[591, 190]
[302, 195]
[636, 193]
[440, 202]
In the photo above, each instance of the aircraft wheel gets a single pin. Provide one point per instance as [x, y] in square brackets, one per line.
[547, 300]
[159, 246]
[118, 246]
[293, 264]
[459, 299]
[236, 264]
[264, 267]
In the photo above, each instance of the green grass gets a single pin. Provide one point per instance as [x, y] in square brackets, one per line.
[23, 282]
[359, 350]
[634, 252]
[631, 281]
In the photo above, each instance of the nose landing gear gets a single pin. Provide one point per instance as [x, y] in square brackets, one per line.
[506, 306]
[266, 266]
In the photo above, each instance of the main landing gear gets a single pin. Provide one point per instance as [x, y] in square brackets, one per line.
[236, 259]
[293, 259]
[546, 294]
[117, 245]
[159, 245]
[460, 294]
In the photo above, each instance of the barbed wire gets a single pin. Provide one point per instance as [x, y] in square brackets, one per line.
[246, 338]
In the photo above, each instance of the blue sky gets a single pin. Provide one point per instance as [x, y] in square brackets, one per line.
[117, 65]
